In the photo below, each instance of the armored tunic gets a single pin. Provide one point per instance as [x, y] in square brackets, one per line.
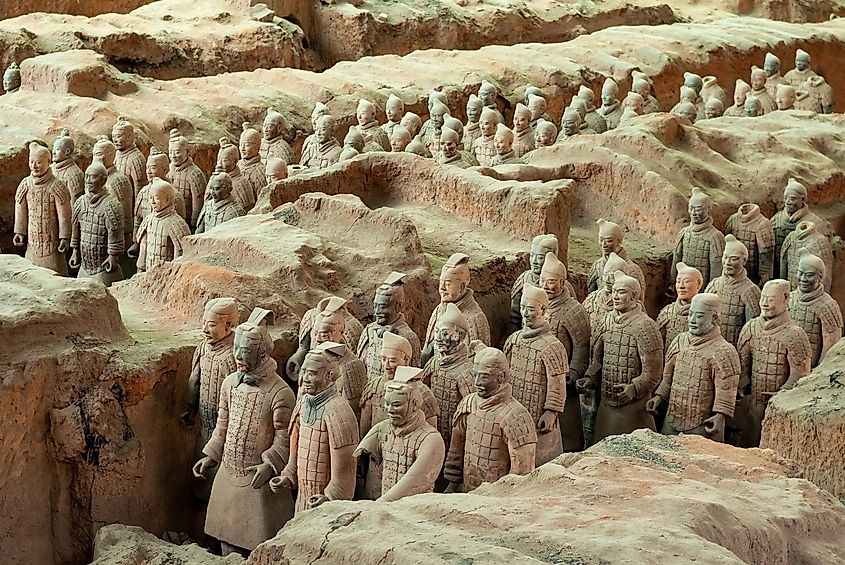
[597, 304]
[772, 83]
[133, 165]
[735, 112]
[700, 378]
[701, 246]
[472, 131]
[351, 331]
[451, 380]
[188, 179]
[594, 120]
[508, 158]
[253, 172]
[321, 155]
[215, 212]
[479, 328]
[459, 160]
[351, 380]
[523, 141]
[242, 192]
[821, 93]
[369, 344]
[484, 149]
[144, 207]
[673, 320]
[767, 101]
[97, 233]
[516, 295]
[816, 243]
[796, 78]
[754, 231]
[611, 114]
[372, 132]
[538, 376]
[276, 147]
[388, 128]
[160, 238]
[69, 173]
[772, 352]
[43, 215]
[740, 300]
[488, 431]
[819, 315]
[783, 224]
[596, 274]
[252, 425]
[320, 424]
[627, 350]
[432, 141]
[651, 105]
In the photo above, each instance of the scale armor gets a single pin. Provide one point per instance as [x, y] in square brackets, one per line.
[449, 384]
[100, 231]
[821, 320]
[43, 214]
[755, 232]
[369, 344]
[188, 179]
[701, 249]
[740, 303]
[133, 165]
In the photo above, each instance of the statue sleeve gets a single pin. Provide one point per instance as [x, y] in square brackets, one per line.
[363, 342]
[114, 227]
[192, 393]
[765, 251]
[432, 321]
[453, 470]
[594, 370]
[371, 442]
[21, 209]
[717, 248]
[61, 198]
[831, 325]
[74, 223]
[423, 471]
[677, 254]
[665, 386]
[518, 428]
[784, 268]
[516, 296]
[743, 347]
[278, 454]
[725, 380]
[293, 433]
[342, 482]
[593, 277]
[798, 356]
[557, 368]
[214, 447]
[650, 348]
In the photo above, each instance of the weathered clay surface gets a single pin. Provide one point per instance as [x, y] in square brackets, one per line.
[807, 423]
[131, 545]
[642, 498]
[12, 8]
[80, 72]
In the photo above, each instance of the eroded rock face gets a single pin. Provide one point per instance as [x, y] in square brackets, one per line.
[630, 499]
[131, 545]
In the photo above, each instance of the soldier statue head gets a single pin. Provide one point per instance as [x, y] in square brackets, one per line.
[474, 108]
[774, 298]
[162, 195]
[693, 81]
[157, 164]
[325, 128]
[274, 125]
[491, 371]
[253, 344]
[227, 156]
[533, 306]
[703, 313]
[451, 330]
[699, 206]
[741, 91]
[365, 113]
[435, 95]
[219, 185]
[276, 169]
[123, 134]
[626, 292]
[609, 92]
[416, 147]
[521, 117]
[402, 395]
[635, 102]
[177, 148]
[771, 64]
[540, 246]
[219, 319]
[753, 107]
[713, 108]
[389, 299]
[454, 278]
[354, 139]
[104, 151]
[734, 257]
[811, 271]
[570, 123]
[12, 78]
[802, 60]
[641, 87]
[454, 124]
[411, 122]
[553, 276]
[785, 97]
[613, 263]
[794, 196]
[395, 352]
[400, 137]
[249, 142]
[530, 90]
[438, 113]
[320, 368]
[489, 122]
[95, 179]
[330, 320]
[503, 140]
[487, 92]
[63, 147]
[586, 94]
[758, 78]
[536, 106]
[394, 108]
[449, 142]
[546, 133]
[688, 282]
[611, 237]
[39, 160]
[319, 110]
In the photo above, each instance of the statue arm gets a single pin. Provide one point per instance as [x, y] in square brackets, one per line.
[725, 383]
[370, 446]
[62, 203]
[580, 350]
[197, 197]
[650, 349]
[366, 418]
[423, 471]
[556, 367]
[192, 392]
[744, 350]
[665, 386]
[594, 370]
[278, 454]
[765, 254]
[342, 483]
[74, 225]
[677, 255]
[717, 249]
[799, 359]
[454, 467]
[214, 447]
[290, 470]
[21, 211]
[831, 333]
[522, 458]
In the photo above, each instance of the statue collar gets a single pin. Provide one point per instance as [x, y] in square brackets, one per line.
[413, 423]
[312, 404]
[503, 394]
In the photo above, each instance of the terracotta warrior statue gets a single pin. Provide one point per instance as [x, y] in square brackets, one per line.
[12, 78]
[43, 213]
[771, 64]
[813, 309]
[641, 84]
[754, 231]
[97, 240]
[627, 363]
[186, 177]
[546, 133]
[157, 167]
[450, 369]
[250, 442]
[129, 160]
[408, 449]
[672, 319]
[323, 436]
[806, 235]
[758, 90]
[65, 168]
[802, 71]
[488, 93]
[785, 97]
[484, 148]
[273, 143]
[611, 238]
[400, 137]
[310, 144]
[433, 97]
[221, 205]
[449, 153]
[753, 108]
[160, 234]
[523, 134]
[611, 109]
[117, 184]
[454, 288]
[696, 83]
[387, 317]
[539, 371]
[250, 164]
[213, 361]
[711, 89]
[686, 109]
[600, 301]
[394, 109]
[700, 245]
[227, 162]
[635, 104]
[457, 126]
[503, 141]
[569, 323]
[741, 91]
[493, 435]
[353, 144]
[795, 210]
[537, 106]
[713, 108]
[416, 147]
[740, 297]
[807, 102]
[774, 353]
[369, 127]
[570, 125]
[439, 112]
[275, 170]
[593, 118]
[541, 245]
[325, 150]
[700, 377]
[818, 88]
[580, 106]
[472, 128]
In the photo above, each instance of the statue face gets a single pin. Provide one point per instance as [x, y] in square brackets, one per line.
[250, 146]
[687, 286]
[772, 302]
[610, 244]
[314, 376]
[785, 100]
[808, 279]
[732, 264]
[751, 110]
[802, 63]
[383, 309]
[365, 116]
[61, 150]
[546, 137]
[449, 147]
[758, 80]
[214, 329]
[228, 159]
[394, 112]
[521, 123]
[123, 138]
[473, 112]
[487, 94]
[623, 298]
[95, 182]
[608, 98]
[537, 259]
[451, 287]
[327, 331]
[324, 131]
[699, 214]
[701, 320]
[552, 285]
[792, 203]
[178, 153]
[398, 143]
[156, 168]
[536, 108]
[448, 338]
[39, 163]
[711, 112]
[504, 143]
[219, 189]
[409, 124]
[11, 82]
[272, 127]
[159, 199]
[104, 154]
[532, 314]
[570, 126]
[488, 126]
[689, 114]
[488, 379]
[693, 83]
[643, 90]
[398, 406]
[739, 97]
[771, 68]
[437, 121]
[390, 359]
[634, 104]
[247, 352]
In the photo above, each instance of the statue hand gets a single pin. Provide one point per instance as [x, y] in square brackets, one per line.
[110, 264]
[548, 422]
[18, 240]
[571, 378]
[715, 425]
[317, 500]
[626, 392]
[63, 245]
[279, 483]
[584, 384]
[653, 404]
[74, 259]
[133, 251]
[359, 451]
[202, 466]
[263, 473]
[187, 418]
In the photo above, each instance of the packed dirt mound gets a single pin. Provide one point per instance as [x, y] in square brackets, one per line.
[642, 498]
[131, 545]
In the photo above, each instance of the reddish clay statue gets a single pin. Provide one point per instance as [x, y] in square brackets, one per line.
[785, 97]
[323, 436]
[325, 150]
[771, 65]
[600, 301]
[642, 85]
[813, 309]
[434, 97]
[273, 143]
[408, 449]
[672, 319]
[309, 146]
[570, 124]
[713, 108]
[821, 93]
[627, 363]
[540, 246]
[186, 177]
[754, 231]
[400, 137]
[593, 118]
[741, 91]
[523, 134]
[220, 205]
[700, 377]
[251, 164]
[157, 167]
[504, 147]
[117, 184]
[472, 128]
[493, 435]
[250, 443]
[536, 104]
[740, 297]
[700, 245]
[42, 213]
[802, 71]
[539, 371]
[484, 147]
[611, 109]
[758, 90]
[160, 235]
[64, 165]
[806, 235]
[795, 210]
[611, 238]
[394, 109]
[449, 153]
[369, 127]
[438, 114]
[774, 353]
[129, 159]
[97, 241]
[546, 133]
[227, 162]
